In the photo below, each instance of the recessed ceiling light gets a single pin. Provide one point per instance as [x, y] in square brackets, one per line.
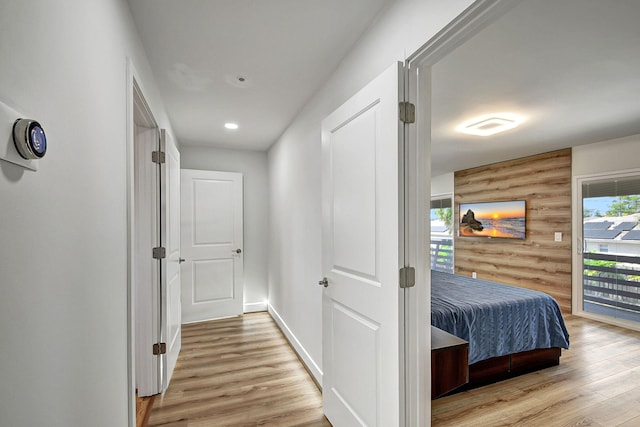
[490, 124]
[231, 126]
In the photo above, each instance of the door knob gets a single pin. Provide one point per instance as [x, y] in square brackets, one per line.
[324, 282]
[237, 251]
[181, 260]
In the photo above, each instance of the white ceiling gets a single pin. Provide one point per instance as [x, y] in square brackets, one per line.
[285, 49]
[571, 67]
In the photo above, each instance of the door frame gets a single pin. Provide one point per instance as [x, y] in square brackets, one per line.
[576, 254]
[147, 282]
[417, 198]
[134, 94]
[131, 82]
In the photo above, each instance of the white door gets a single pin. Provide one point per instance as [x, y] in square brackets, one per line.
[157, 278]
[170, 312]
[212, 221]
[361, 354]
[146, 268]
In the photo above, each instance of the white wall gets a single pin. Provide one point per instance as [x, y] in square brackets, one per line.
[63, 265]
[253, 166]
[442, 184]
[294, 167]
[608, 156]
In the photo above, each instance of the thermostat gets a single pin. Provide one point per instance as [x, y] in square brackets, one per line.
[9, 144]
[29, 139]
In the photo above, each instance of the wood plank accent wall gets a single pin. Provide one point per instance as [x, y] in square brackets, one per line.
[538, 262]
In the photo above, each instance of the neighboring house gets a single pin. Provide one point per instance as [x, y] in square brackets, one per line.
[614, 235]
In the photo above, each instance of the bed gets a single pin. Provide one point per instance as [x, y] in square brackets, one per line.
[510, 330]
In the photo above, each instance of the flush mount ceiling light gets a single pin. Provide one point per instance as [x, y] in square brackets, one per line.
[231, 126]
[490, 124]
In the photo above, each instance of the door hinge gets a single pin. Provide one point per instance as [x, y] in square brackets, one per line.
[158, 157]
[407, 277]
[159, 253]
[407, 112]
[159, 348]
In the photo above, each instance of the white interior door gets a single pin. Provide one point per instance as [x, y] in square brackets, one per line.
[212, 233]
[170, 306]
[147, 269]
[361, 355]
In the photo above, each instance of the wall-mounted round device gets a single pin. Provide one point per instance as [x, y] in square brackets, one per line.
[29, 139]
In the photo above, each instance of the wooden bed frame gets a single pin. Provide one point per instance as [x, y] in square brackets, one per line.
[512, 365]
[450, 372]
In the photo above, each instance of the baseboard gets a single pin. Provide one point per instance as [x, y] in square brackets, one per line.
[306, 359]
[252, 307]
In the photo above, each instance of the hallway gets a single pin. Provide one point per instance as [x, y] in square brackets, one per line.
[238, 372]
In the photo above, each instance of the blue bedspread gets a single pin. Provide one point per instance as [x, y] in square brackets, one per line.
[496, 319]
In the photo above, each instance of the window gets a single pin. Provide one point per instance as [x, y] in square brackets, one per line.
[611, 271]
[442, 235]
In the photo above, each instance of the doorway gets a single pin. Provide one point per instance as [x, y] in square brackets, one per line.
[610, 247]
[153, 250]
[470, 53]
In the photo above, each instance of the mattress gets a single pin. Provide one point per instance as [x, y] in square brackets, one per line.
[495, 319]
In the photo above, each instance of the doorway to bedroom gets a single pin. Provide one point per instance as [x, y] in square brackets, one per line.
[521, 57]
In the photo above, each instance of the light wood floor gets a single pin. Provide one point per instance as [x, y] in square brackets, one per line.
[143, 409]
[596, 384]
[238, 372]
[241, 372]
